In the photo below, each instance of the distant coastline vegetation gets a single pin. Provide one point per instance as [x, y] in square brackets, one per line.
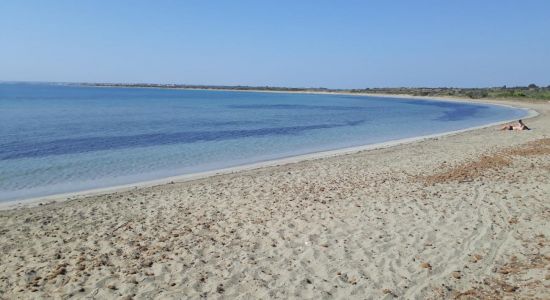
[531, 91]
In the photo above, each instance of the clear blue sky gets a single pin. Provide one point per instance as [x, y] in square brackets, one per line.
[338, 44]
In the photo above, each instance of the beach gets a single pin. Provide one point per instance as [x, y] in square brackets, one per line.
[454, 216]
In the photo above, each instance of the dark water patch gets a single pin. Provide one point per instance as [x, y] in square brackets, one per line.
[91, 144]
[459, 113]
[296, 106]
[455, 111]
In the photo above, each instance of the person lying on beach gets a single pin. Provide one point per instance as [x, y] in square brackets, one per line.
[518, 126]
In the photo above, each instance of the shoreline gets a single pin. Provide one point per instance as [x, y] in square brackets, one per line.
[63, 197]
[436, 98]
[313, 91]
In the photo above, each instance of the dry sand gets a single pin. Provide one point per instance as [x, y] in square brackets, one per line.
[461, 216]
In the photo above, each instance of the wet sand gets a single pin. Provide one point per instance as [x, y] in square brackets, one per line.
[461, 216]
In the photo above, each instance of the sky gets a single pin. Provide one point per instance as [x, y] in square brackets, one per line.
[333, 44]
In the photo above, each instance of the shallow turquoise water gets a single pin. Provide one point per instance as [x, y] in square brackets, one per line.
[56, 139]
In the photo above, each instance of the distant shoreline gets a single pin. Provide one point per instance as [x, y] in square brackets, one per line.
[521, 93]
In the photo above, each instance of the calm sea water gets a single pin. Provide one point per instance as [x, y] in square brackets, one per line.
[56, 139]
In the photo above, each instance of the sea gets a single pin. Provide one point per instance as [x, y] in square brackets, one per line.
[57, 138]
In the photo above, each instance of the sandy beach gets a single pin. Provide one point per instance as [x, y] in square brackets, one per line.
[462, 216]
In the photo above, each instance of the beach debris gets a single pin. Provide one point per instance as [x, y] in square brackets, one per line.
[59, 270]
[426, 265]
[492, 161]
[467, 171]
[389, 292]
[147, 263]
[475, 258]
[120, 226]
[509, 288]
[508, 270]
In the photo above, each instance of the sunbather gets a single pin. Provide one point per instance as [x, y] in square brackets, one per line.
[518, 126]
